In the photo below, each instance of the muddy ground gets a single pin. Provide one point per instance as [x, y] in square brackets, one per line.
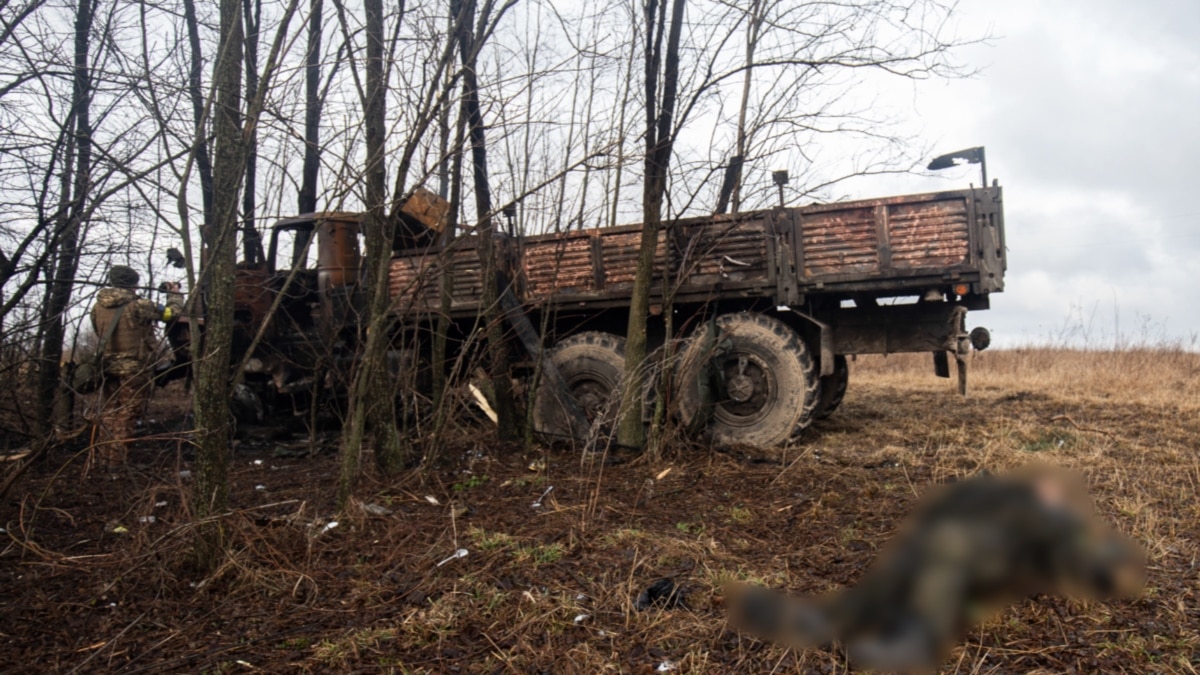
[95, 575]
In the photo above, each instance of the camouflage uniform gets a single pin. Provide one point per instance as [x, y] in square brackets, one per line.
[128, 357]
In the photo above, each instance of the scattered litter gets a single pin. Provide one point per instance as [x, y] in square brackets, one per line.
[538, 503]
[662, 593]
[328, 526]
[185, 474]
[580, 618]
[119, 529]
[147, 519]
[432, 500]
[663, 474]
[257, 462]
[537, 465]
[159, 505]
[666, 666]
[260, 487]
[460, 553]
[376, 509]
[581, 597]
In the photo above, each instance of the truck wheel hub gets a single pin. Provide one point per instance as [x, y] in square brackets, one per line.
[741, 388]
[591, 395]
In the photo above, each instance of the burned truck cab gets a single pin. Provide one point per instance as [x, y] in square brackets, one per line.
[296, 312]
[300, 314]
[325, 295]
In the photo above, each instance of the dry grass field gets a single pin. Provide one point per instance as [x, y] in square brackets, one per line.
[95, 576]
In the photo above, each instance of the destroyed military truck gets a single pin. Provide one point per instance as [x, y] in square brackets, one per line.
[766, 305]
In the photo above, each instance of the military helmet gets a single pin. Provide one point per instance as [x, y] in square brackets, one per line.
[122, 276]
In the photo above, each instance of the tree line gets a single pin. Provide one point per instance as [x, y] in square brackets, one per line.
[127, 127]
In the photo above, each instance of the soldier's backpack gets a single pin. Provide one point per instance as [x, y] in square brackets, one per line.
[87, 375]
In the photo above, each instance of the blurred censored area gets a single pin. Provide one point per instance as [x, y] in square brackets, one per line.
[970, 548]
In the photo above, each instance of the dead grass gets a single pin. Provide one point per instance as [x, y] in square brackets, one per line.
[553, 589]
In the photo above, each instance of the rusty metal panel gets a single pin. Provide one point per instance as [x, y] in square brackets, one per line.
[252, 293]
[725, 253]
[558, 266]
[929, 234]
[414, 282]
[467, 287]
[840, 241]
[620, 253]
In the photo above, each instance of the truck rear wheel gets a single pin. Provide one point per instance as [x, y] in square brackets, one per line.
[833, 388]
[761, 377]
[591, 363]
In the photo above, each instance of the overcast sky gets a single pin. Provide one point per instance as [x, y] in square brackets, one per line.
[1090, 112]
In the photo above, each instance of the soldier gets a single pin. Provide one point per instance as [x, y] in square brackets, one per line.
[129, 355]
[971, 548]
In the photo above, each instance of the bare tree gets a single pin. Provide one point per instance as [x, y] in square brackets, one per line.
[660, 139]
[211, 400]
[196, 95]
[372, 403]
[373, 406]
[312, 110]
[251, 239]
[468, 42]
[74, 194]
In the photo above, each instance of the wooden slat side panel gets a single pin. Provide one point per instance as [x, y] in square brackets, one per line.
[620, 254]
[467, 288]
[725, 253]
[840, 242]
[414, 283]
[931, 234]
[563, 266]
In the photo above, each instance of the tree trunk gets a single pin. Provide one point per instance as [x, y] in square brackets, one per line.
[251, 239]
[493, 317]
[312, 113]
[74, 197]
[757, 15]
[659, 142]
[203, 163]
[212, 369]
[450, 187]
[372, 401]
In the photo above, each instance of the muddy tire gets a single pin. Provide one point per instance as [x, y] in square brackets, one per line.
[761, 378]
[591, 363]
[833, 388]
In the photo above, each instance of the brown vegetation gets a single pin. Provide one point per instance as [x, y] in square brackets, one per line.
[95, 565]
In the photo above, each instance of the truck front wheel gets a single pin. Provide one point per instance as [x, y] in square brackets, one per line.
[591, 363]
[755, 383]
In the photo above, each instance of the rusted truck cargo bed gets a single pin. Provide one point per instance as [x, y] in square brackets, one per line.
[881, 247]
